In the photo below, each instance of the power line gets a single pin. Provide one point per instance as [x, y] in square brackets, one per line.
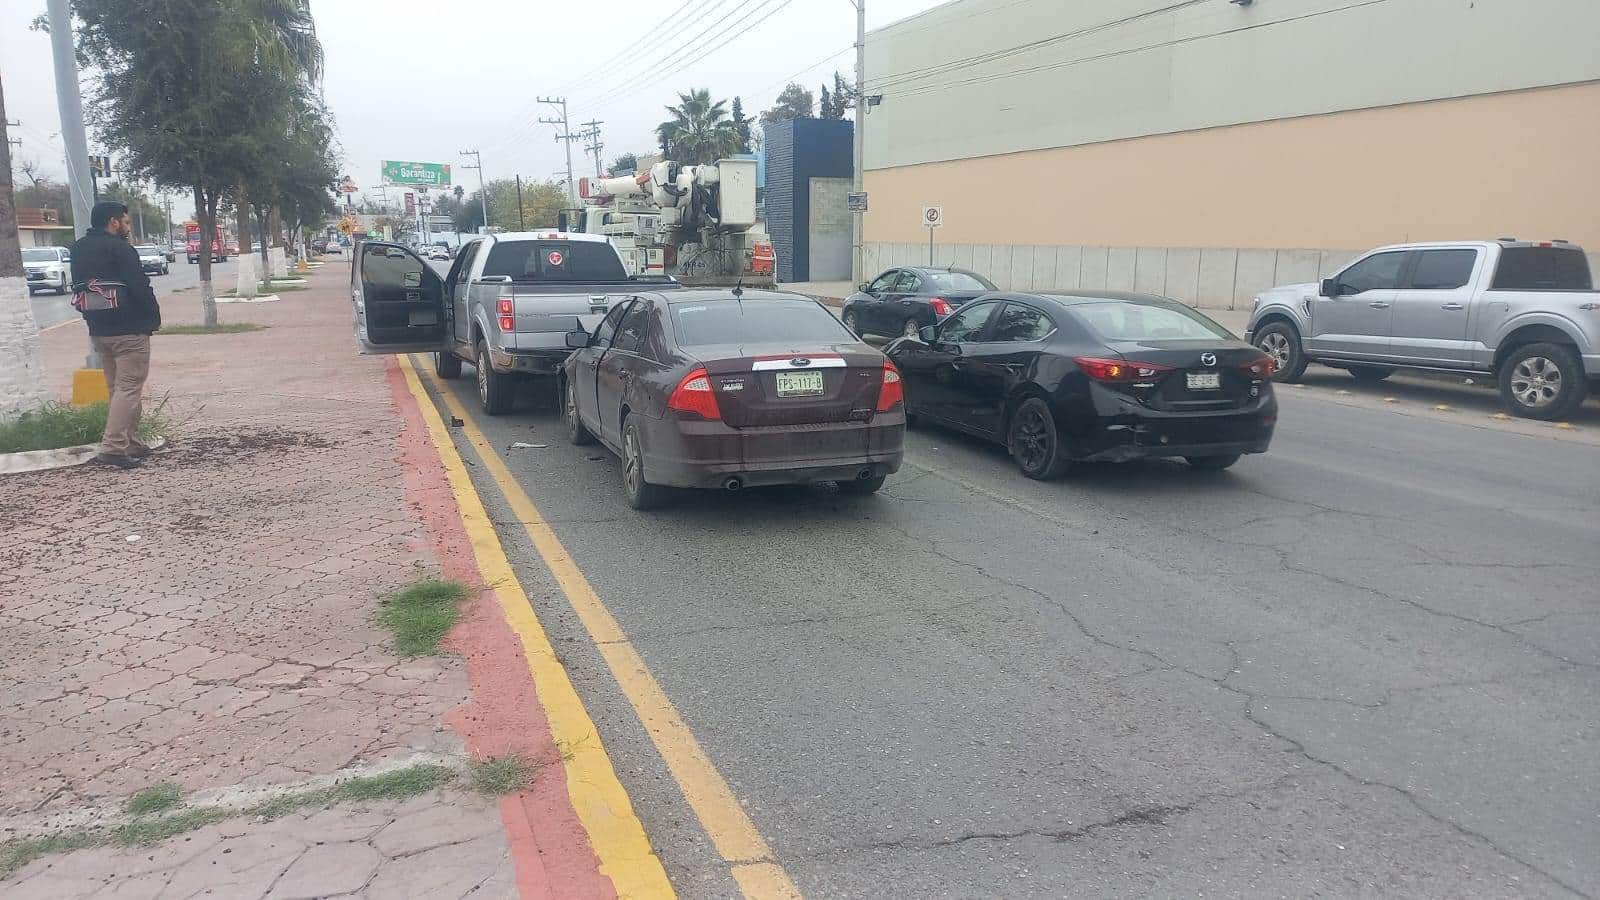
[978, 79]
[712, 45]
[1005, 53]
[521, 132]
[676, 27]
[784, 81]
[672, 43]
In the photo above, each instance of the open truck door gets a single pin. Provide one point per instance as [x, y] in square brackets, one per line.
[398, 301]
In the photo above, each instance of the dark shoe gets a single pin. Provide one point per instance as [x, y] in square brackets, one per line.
[121, 462]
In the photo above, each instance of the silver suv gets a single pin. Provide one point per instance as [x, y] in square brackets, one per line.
[1523, 311]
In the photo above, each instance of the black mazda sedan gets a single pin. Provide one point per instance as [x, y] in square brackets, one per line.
[902, 300]
[1101, 376]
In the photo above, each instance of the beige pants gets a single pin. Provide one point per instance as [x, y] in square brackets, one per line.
[126, 361]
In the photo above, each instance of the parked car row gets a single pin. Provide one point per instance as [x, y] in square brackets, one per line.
[728, 388]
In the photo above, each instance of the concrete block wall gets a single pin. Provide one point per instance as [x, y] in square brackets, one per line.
[1214, 278]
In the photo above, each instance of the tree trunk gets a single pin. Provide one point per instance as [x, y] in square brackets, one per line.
[242, 214]
[266, 241]
[206, 209]
[21, 377]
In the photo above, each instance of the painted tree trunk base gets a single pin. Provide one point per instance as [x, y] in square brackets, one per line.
[22, 375]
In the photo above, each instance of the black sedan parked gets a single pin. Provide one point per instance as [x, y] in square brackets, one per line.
[1107, 376]
[902, 300]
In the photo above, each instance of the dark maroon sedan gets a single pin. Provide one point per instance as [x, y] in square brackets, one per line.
[728, 389]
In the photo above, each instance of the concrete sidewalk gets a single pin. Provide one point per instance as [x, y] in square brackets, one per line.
[206, 622]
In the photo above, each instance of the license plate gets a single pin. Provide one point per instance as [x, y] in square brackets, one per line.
[1204, 381]
[799, 384]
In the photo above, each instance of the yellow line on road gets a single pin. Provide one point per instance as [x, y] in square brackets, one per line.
[723, 817]
[599, 799]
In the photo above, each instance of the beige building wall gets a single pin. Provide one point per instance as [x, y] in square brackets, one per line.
[1523, 163]
[980, 77]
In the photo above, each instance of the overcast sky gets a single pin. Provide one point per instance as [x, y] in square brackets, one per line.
[420, 81]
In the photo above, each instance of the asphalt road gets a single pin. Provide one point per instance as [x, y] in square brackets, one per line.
[182, 280]
[1367, 662]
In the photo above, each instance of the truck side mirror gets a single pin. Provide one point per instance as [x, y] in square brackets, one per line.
[577, 340]
[927, 334]
[1330, 287]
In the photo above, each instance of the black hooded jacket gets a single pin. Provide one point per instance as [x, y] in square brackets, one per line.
[101, 254]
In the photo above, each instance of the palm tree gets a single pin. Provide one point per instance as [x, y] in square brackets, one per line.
[284, 35]
[699, 131]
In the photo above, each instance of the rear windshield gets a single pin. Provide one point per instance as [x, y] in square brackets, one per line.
[756, 321]
[1116, 321]
[1542, 269]
[147, 248]
[959, 281]
[36, 255]
[554, 261]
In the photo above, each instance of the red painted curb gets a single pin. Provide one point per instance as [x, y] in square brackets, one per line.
[502, 714]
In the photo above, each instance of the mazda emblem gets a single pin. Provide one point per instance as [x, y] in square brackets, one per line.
[1208, 359]
[799, 361]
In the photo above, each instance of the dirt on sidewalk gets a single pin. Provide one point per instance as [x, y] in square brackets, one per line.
[202, 631]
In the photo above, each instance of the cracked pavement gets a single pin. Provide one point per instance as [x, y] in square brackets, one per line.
[207, 621]
[1364, 663]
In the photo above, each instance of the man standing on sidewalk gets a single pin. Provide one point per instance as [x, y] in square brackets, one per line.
[111, 290]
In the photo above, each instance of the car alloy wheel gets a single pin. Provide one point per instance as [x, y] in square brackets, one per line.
[641, 494]
[483, 377]
[1034, 442]
[576, 430]
[1536, 382]
[1276, 345]
[912, 330]
[1030, 440]
[849, 319]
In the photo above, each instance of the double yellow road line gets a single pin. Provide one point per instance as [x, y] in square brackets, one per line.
[602, 804]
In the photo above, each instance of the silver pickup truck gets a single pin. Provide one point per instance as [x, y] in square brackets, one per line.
[513, 305]
[1523, 311]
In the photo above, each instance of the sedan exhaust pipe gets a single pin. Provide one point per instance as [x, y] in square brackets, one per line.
[733, 484]
[864, 474]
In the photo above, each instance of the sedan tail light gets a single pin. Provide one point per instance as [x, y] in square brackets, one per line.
[892, 393]
[941, 306]
[1119, 371]
[1264, 367]
[508, 320]
[693, 395]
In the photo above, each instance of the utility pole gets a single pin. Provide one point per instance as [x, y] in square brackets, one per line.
[22, 377]
[857, 227]
[483, 193]
[69, 103]
[592, 132]
[522, 220]
[565, 137]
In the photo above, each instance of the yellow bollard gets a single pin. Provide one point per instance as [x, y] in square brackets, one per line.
[89, 387]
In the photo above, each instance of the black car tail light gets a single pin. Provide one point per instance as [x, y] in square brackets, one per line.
[1119, 371]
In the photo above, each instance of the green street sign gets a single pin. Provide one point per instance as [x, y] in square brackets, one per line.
[418, 173]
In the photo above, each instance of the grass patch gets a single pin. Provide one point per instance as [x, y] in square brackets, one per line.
[500, 775]
[268, 287]
[421, 615]
[57, 425]
[395, 785]
[219, 328]
[156, 798]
